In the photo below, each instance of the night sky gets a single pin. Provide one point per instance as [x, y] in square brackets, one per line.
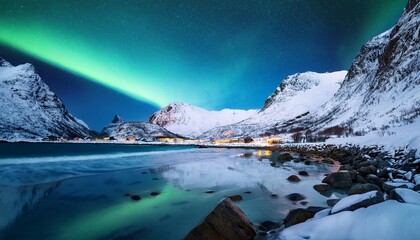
[132, 57]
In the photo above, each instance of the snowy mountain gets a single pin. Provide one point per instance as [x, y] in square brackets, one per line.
[380, 92]
[139, 130]
[30, 110]
[382, 88]
[298, 95]
[191, 121]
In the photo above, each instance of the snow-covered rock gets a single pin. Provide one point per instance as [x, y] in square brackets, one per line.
[138, 130]
[191, 121]
[353, 202]
[297, 96]
[30, 110]
[387, 221]
[406, 196]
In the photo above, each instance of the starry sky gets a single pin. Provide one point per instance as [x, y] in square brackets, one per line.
[132, 57]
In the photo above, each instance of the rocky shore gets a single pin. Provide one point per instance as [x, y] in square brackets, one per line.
[375, 181]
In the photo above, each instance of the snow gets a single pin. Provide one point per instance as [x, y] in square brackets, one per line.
[191, 121]
[297, 95]
[388, 220]
[351, 200]
[30, 110]
[401, 137]
[322, 213]
[409, 196]
[417, 179]
[400, 183]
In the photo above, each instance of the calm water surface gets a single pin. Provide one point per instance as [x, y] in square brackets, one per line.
[78, 191]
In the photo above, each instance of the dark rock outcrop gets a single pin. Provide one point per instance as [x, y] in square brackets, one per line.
[225, 221]
[340, 179]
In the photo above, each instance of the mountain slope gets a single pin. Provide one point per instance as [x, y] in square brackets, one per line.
[139, 130]
[296, 96]
[30, 110]
[382, 88]
[381, 91]
[191, 121]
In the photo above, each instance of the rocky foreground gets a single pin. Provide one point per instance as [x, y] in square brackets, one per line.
[383, 199]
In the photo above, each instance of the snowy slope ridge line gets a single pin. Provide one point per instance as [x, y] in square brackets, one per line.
[295, 97]
[191, 121]
[30, 110]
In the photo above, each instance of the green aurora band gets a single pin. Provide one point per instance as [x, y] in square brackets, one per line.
[161, 53]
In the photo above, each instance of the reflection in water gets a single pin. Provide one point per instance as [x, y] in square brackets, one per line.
[188, 183]
[16, 201]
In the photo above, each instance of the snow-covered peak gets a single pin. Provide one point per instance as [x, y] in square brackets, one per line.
[117, 119]
[191, 121]
[30, 109]
[4, 63]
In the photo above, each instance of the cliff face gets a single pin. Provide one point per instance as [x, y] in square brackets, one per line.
[30, 109]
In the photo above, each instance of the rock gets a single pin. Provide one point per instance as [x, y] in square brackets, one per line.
[417, 187]
[296, 216]
[284, 157]
[293, 178]
[315, 209]
[248, 192]
[303, 173]
[225, 221]
[304, 203]
[268, 227]
[363, 188]
[294, 197]
[360, 179]
[388, 186]
[308, 162]
[236, 198]
[209, 191]
[405, 195]
[135, 197]
[340, 179]
[322, 187]
[353, 202]
[346, 167]
[247, 155]
[371, 178]
[332, 202]
[154, 194]
[364, 171]
[327, 161]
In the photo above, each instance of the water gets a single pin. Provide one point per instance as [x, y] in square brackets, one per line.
[78, 191]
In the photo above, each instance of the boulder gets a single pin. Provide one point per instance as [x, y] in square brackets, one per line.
[405, 195]
[346, 167]
[225, 221]
[236, 198]
[294, 197]
[353, 202]
[340, 179]
[293, 178]
[332, 202]
[322, 188]
[388, 186]
[303, 173]
[268, 227]
[363, 188]
[284, 157]
[296, 216]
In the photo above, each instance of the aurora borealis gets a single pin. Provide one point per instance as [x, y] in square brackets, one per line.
[214, 54]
